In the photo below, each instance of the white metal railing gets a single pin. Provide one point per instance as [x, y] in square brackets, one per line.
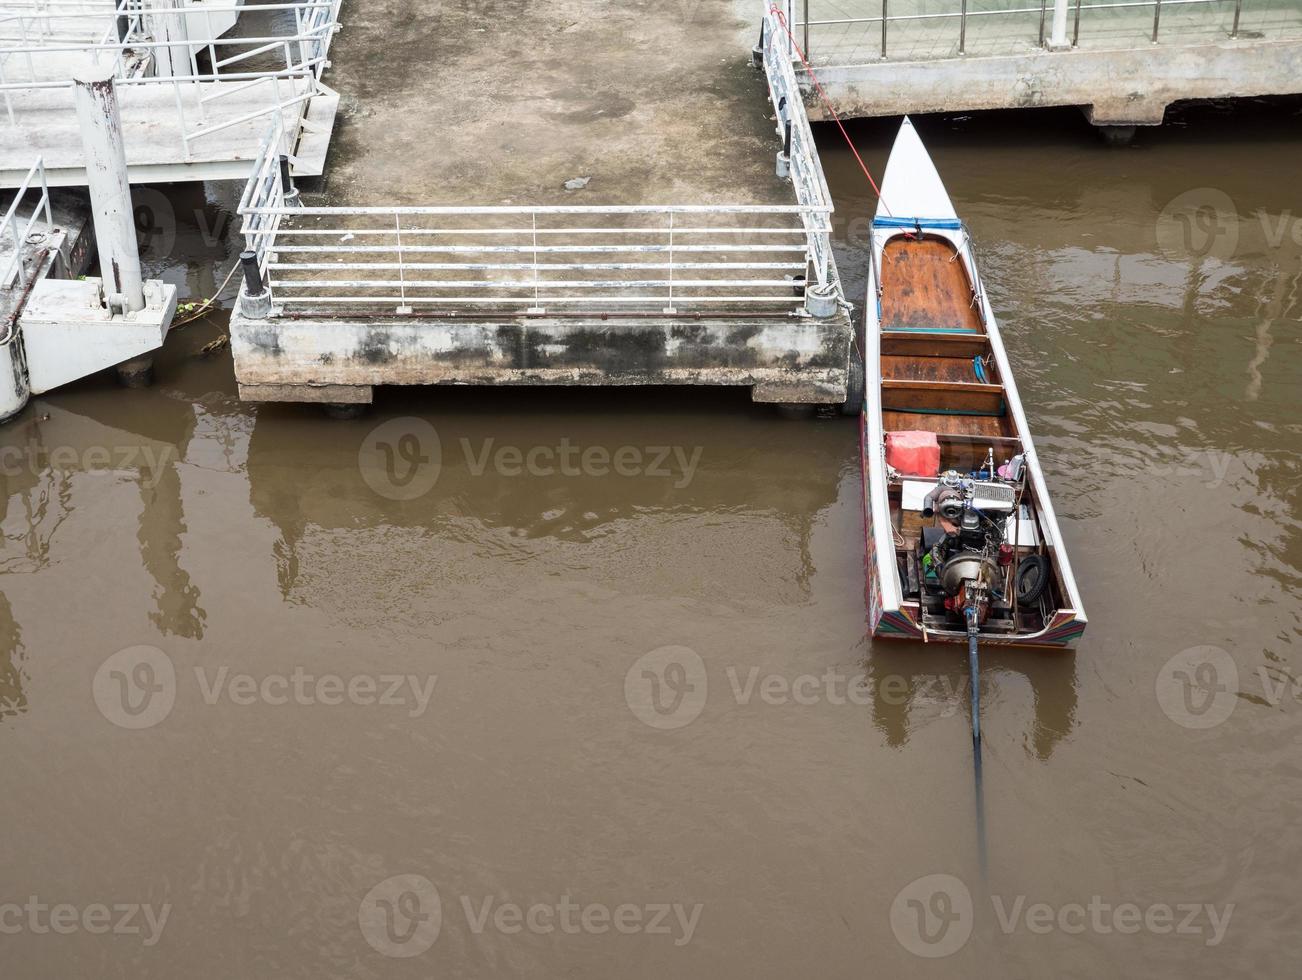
[301, 54]
[1037, 16]
[13, 226]
[708, 260]
[806, 170]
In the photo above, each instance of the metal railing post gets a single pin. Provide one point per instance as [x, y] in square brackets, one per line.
[1075, 34]
[402, 272]
[1044, 6]
[807, 57]
[883, 30]
[670, 307]
[1238, 9]
[537, 300]
[1058, 33]
[9, 102]
[1157, 17]
[962, 28]
[45, 193]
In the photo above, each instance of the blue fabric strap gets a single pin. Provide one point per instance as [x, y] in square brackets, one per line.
[952, 224]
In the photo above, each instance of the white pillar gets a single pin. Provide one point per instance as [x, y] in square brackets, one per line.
[165, 22]
[1058, 36]
[110, 192]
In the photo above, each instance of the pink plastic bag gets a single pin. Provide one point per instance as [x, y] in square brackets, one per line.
[913, 453]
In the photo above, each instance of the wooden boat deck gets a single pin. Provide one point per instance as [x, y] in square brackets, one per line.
[932, 333]
[925, 287]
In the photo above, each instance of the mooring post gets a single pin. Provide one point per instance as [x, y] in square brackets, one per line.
[288, 191]
[1058, 36]
[256, 301]
[166, 25]
[110, 191]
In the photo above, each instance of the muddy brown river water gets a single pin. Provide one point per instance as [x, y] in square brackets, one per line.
[577, 683]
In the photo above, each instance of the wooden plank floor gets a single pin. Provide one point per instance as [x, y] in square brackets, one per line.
[977, 425]
[900, 367]
[925, 286]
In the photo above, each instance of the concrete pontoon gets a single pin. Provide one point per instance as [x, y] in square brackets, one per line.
[567, 193]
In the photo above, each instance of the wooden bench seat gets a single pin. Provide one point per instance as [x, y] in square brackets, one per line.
[942, 397]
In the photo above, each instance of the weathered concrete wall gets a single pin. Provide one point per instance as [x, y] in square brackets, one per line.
[1121, 87]
[786, 359]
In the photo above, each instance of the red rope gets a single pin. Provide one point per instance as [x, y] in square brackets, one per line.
[828, 103]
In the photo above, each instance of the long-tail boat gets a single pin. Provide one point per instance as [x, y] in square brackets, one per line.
[962, 541]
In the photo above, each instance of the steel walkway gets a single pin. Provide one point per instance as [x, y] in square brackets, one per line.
[195, 104]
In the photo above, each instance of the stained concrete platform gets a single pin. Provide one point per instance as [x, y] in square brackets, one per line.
[640, 103]
[504, 102]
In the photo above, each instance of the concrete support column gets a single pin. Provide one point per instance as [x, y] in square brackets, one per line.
[110, 192]
[1058, 35]
[168, 25]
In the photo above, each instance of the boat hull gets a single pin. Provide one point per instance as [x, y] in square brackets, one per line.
[931, 317]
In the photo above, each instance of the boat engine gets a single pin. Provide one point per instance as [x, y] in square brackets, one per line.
[966, 560]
